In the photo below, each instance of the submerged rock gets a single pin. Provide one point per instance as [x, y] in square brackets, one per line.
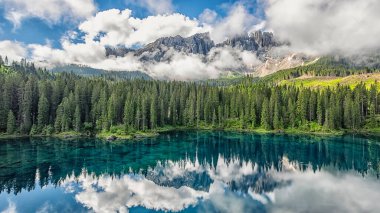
[112, 138]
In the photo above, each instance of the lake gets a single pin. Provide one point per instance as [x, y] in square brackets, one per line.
[191, 171]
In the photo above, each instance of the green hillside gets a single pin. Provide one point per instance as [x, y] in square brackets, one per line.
[326, 72]
[329, 81]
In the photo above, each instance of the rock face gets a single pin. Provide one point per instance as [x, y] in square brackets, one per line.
[256, 41]
[272, 65]
[201, 44]
[117, 51]
[158, 50]
[196, 44]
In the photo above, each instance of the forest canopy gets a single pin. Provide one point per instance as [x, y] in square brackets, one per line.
[35, 101]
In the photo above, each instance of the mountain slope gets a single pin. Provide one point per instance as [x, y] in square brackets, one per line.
[88, 72]
[327, 72]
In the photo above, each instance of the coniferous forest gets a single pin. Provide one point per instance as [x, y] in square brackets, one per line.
[37, 102]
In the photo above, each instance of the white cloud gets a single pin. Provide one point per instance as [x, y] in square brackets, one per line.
[11, 207]
[114, 24]
[325, 26]
[154, 6]
[155, 27]
[51, 11]
[114, 27]
[232, 59]
[109, 194]
[182, 67]
[133, 190]
[208, 16]
[15, 51]
[239, 21]
[346, 192]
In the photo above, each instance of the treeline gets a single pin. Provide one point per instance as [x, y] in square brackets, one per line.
[43, 103]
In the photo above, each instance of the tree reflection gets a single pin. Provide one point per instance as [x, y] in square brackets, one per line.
[55, 159]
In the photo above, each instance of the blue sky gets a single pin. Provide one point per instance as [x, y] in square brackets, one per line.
[39, 31]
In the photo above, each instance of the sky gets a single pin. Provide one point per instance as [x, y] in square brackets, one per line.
[40, 29]
[55, 32]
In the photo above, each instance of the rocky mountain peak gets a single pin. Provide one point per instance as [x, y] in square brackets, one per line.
[256, 41]
[263, 39]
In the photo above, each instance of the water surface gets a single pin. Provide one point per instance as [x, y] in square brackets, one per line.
[191, 172]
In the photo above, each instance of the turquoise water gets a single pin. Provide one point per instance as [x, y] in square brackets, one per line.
[191, 172]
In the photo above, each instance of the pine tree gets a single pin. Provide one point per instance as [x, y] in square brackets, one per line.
[277, 124]
[347, 112]
[320, 114]
[43, 112]
[26, 108]
[3, 113]
[265, 116]
[11, 123]
[372, 116]
[58, 124]
[77, 119]
[153, 112]
[128, 115]
[292, 114]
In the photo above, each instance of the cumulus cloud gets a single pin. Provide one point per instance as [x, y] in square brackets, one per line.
[114, 27]
[208, 16]
[154, 6]
[326, 27]
[182, 67]
[15, 51]
[239, 21]
[52, 11]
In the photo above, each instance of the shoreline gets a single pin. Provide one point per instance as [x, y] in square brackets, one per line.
[155, 133]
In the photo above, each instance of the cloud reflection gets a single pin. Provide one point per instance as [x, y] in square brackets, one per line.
[156, 190]
[229, 186]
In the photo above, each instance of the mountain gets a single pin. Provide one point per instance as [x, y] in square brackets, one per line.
[88, 72]
[263, 45]
[196, 44]
[201, 44]
[257, 41]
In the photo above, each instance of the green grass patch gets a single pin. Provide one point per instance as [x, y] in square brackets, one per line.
[323, 82]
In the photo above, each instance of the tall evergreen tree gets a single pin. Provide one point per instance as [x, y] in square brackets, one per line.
[11, 123]
[265, 116]
[43, 112]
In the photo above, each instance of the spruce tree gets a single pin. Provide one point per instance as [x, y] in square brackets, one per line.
[43, 112]
[11, 123]
[265, 116]
[77, 119]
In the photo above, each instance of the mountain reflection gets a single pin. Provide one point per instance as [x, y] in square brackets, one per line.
[177, 170]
